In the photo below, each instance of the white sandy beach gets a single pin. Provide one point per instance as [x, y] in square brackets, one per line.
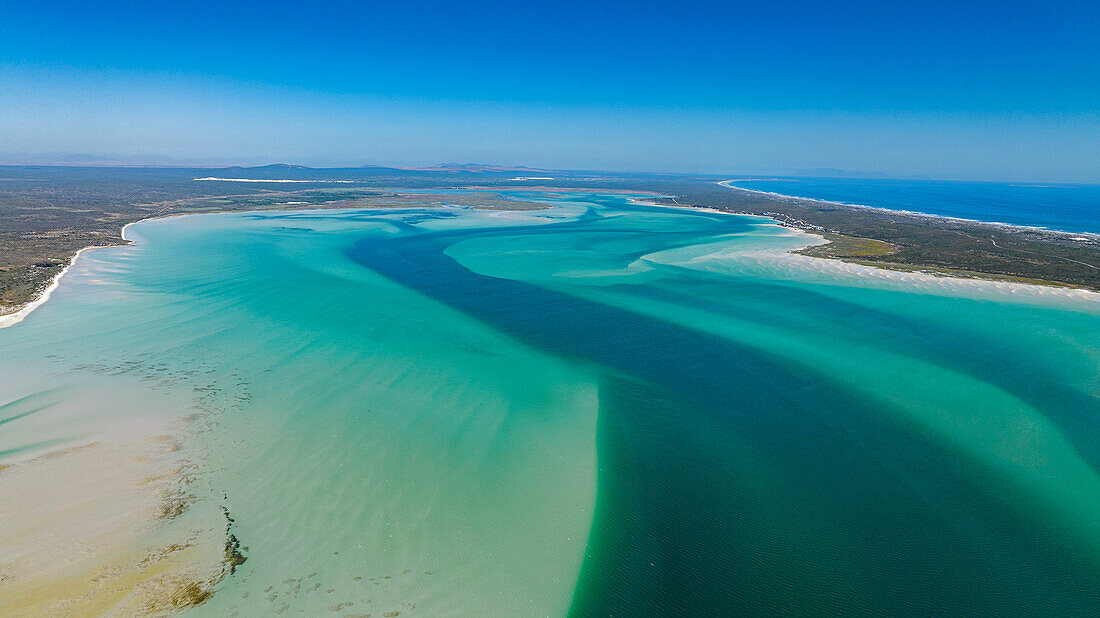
[11, 319]
[929, 281]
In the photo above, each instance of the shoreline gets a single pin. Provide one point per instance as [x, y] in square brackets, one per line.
[1089, 237]
[8, 320]
[955, 283]
[11, 319]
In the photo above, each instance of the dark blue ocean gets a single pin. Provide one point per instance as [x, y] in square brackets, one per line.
[1073, 208]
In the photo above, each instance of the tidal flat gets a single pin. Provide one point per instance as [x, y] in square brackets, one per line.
[590, 407]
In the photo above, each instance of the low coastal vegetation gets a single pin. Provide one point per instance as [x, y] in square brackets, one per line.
[844, 247]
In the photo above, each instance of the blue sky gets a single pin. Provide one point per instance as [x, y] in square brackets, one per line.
[984, 90]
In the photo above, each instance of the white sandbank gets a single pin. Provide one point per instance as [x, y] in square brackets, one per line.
[105, 528]
[929, 281]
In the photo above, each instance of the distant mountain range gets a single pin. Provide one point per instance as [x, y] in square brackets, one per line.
[89, 160]
[303, 172]
[79, 159]
[442, 167]
[466, 167]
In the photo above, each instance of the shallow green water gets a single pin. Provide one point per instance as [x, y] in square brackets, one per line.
[599, 408]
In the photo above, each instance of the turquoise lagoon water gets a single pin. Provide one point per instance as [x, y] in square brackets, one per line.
[600, 409]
